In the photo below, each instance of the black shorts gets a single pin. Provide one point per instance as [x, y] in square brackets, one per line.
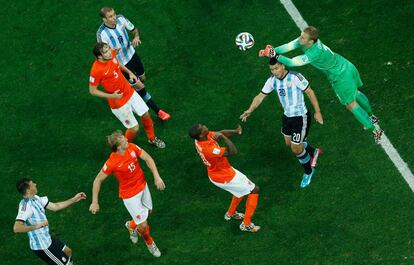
[54, 254]
[296, 127]
[135, 65]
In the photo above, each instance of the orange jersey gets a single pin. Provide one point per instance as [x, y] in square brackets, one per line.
[218, 167]
[127, 171]
[108, 74]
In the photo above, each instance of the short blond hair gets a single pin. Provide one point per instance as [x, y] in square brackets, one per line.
[113, 139]
[104, 10]
[312, 32]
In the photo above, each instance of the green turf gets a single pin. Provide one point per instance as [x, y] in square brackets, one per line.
[358, 209]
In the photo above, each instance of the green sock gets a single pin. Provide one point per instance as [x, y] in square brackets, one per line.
[362, 116]
[364, 102]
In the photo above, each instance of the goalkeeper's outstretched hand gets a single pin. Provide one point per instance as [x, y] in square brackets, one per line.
[269, 51]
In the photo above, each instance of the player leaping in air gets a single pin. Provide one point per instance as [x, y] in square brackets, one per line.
[341, 73]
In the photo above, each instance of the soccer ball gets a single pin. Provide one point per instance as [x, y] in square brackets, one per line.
[244, 41]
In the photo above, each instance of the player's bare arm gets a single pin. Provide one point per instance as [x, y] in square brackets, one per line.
[136, 40]
[314, 101]
[94, 208]
[255, 103]
[230, 147]
[228, 133]
[94, 91]
[20, 227]
[131, 75]
[57, 206]
[159, 183]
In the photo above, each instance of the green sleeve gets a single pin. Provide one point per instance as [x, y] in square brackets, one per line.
[295, 61]
[294, 44]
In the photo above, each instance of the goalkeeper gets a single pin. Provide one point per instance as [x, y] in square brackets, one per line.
[341, 73]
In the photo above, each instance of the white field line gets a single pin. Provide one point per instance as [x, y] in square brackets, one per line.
[385, 142]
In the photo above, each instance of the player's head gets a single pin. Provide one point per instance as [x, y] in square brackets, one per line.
[277, 68]
[309, 36]
[26, 186]
[117, 141]
[108, 16]
[198, 131]
[102, 51]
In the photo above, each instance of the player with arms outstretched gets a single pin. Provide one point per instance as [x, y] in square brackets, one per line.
[290, 88]
[32, 220]
[341, 73]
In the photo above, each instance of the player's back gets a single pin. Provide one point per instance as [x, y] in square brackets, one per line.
[324, 59]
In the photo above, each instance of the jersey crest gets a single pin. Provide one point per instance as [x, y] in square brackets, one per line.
[216, 151]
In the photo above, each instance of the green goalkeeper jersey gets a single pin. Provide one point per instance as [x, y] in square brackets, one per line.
[319, 55]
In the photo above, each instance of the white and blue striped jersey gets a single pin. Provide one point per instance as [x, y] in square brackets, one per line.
[32, 212]
[117, 38]
[290, 92]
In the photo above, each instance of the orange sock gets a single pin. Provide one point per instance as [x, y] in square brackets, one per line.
[145, 233]
[251, 204]
[149, 127]
[132, 224]
[233, 205]
[130, 135]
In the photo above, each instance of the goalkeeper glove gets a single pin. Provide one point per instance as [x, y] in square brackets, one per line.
[269, 51]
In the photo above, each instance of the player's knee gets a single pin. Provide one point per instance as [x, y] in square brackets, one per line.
[296, 148]
[351, 105]
[256, 190]
[68, 251]
[139, 85]
[135, 128]
[146, 115]
[142, 226]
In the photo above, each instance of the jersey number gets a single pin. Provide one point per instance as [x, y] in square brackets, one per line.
[296, 137]
[131, 167]
[204, 159]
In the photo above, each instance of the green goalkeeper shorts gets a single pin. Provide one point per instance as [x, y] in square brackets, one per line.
[346, 86]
